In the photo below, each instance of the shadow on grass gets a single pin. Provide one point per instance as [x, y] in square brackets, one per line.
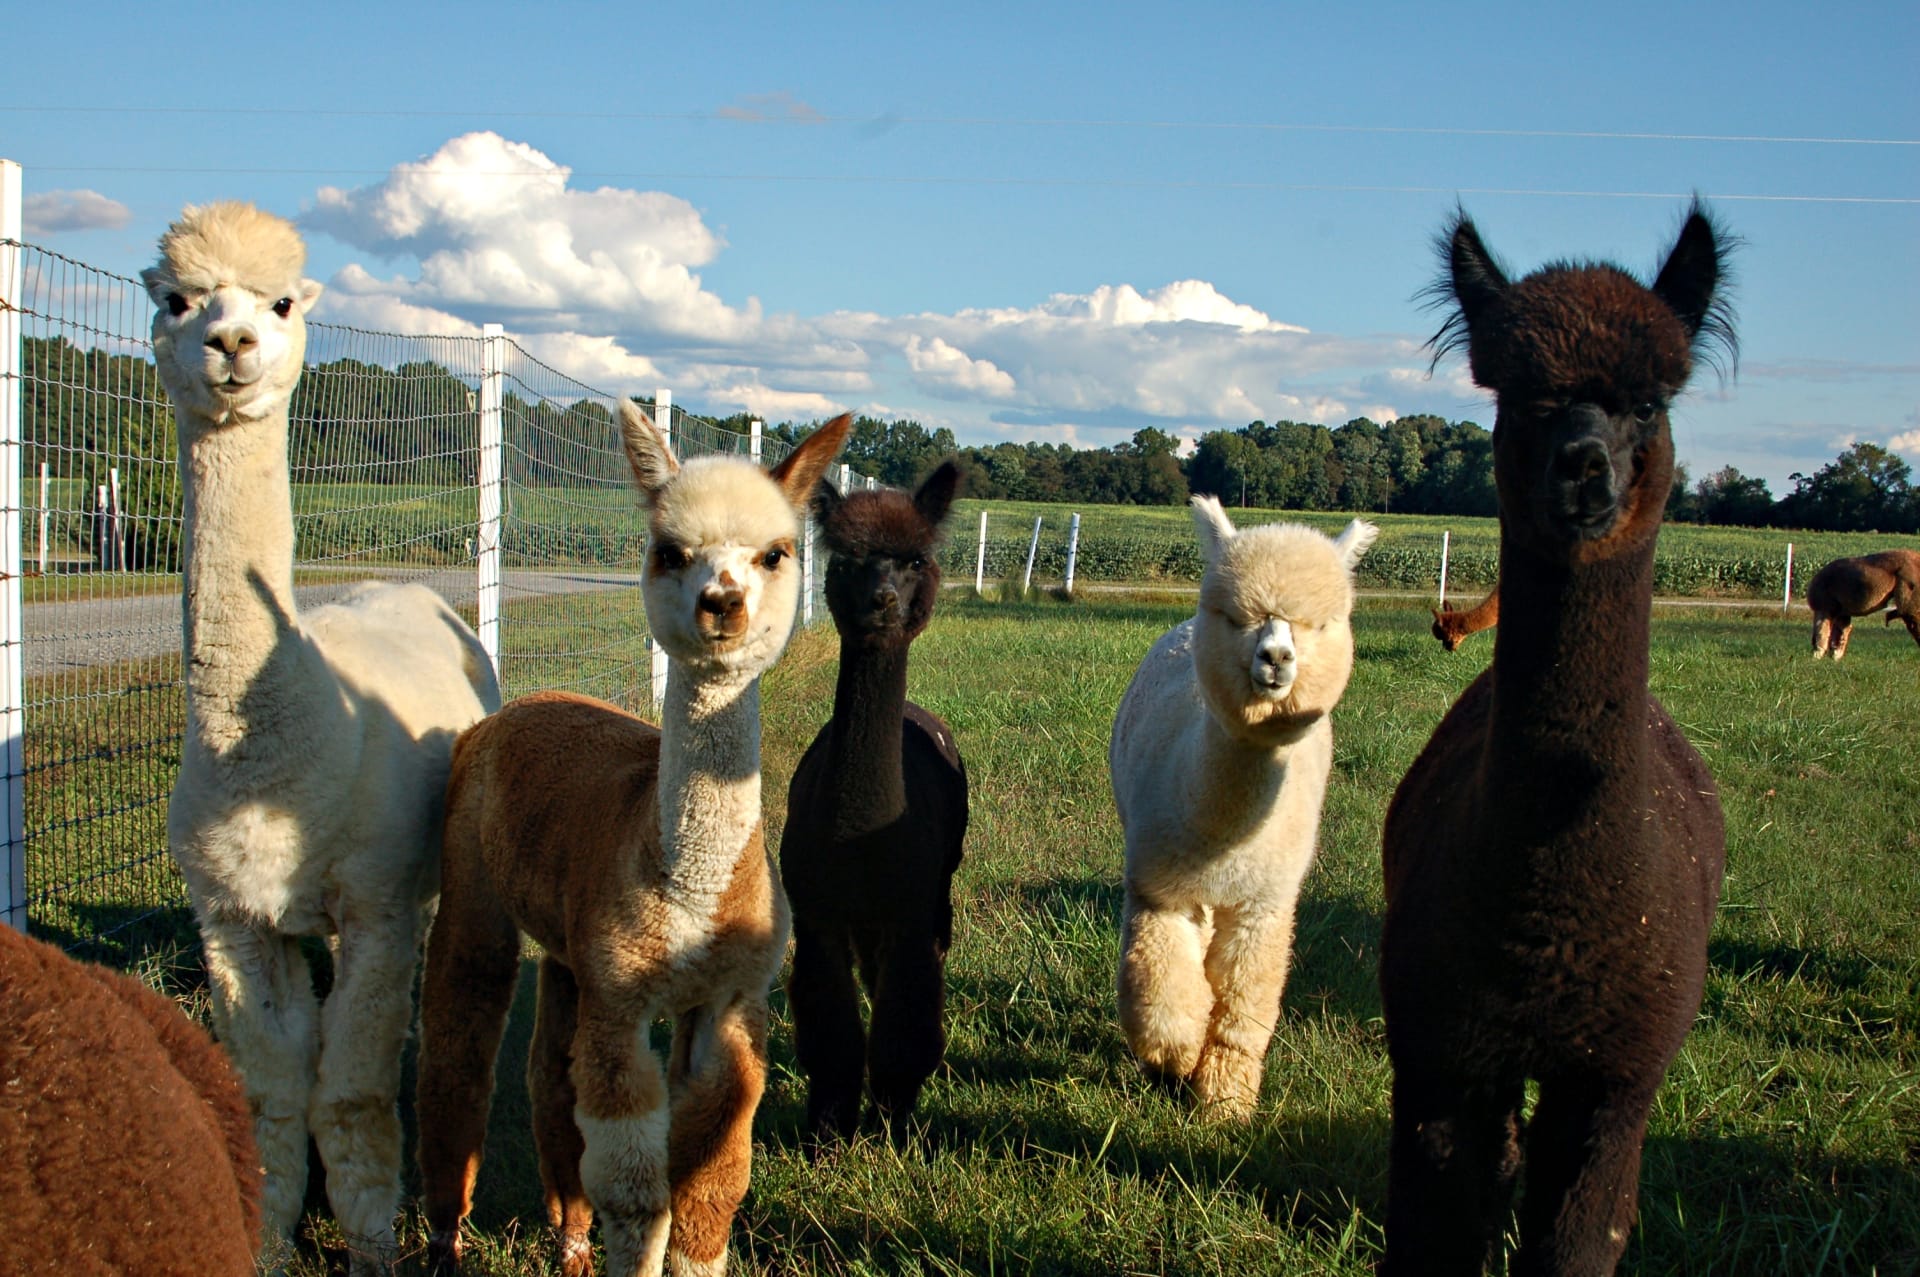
[123, 936]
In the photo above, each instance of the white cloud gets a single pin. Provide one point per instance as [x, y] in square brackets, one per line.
[51, 212]
[941, 367]
[1907, 441]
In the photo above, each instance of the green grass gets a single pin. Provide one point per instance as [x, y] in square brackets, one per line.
[1785, 1141]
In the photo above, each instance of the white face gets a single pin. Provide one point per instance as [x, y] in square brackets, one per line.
[229, 354]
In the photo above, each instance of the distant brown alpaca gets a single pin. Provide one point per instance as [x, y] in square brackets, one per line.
[1553, 857]
[127, 1143]
[1847, 588]
[1452, 627]
[633, 855]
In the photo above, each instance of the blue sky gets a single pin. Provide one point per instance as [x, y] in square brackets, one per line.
[1020, 221]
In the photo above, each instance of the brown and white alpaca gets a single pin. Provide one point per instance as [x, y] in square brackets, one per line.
[1847, 588]
[633, 856]
[128, 1147]
[1553, 856]
[1220, 754]
[315, 758]
[876, 817]
[1452, 627]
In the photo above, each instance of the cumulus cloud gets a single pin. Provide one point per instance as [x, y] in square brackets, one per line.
[51, 212]
[1908, 442]
[605, 285]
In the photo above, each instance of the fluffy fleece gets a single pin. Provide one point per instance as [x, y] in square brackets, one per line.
[1219, 758]
[633, 856]
[1553, 857]
[317, 745]
[1847, 588]
[129, 1148]
[876, 818]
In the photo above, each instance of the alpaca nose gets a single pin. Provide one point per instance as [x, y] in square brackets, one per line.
[885, 598]
[1275, 655]
[1583, 461]
[231, 339]
[722, 604]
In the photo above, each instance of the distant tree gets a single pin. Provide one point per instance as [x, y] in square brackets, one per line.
[1867, 488]
[1728, 497]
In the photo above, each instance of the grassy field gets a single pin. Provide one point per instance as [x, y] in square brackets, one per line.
[1785, 1141]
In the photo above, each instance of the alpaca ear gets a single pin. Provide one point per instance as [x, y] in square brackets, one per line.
[1215, 529]
[1475, 276]
[307, 294]
[826, 499]
[806, 464]
[1693, 283]
[647, 451]
[158, 284]
[934, 497]
[1355, 540]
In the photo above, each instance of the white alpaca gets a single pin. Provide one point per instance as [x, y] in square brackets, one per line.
[634, 856]
[1220, 755]
[311, 781]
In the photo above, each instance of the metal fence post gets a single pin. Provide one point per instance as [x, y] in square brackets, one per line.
[13, 831]
[1033, 548]
[1786, 594]
[980, 557]
[753, 441]
[493, 370]
[1073, 550]
[663, 416]
[1446, 541]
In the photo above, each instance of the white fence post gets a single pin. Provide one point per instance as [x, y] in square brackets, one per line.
[657, 655]
[806, 571]
[493, 370]
[1446, 540]
[116, 520]
[980, 557]
[753, 441]
[663, 416]
[1033, 548]
[846, 478]
[1786, 595]
[46, 487]
[1073, 550]
[13, 690]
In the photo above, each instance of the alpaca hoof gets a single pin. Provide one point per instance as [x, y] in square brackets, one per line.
[443, 1252]
[1226, 1083]
[576, 1255]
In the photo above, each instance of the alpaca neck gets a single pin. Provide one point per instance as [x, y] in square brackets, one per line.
[237, 582]
[709, 778]
[864, 737]
[1570, 663]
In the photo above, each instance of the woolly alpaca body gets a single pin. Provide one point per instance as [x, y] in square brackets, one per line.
[634, 856]
[1847, 588]
[129, 1148]
[1220, 754]
[316, 752]
[876, 818]
[1452, 628]
[1553, 856]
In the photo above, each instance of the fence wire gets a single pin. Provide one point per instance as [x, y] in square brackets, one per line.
[384, 453]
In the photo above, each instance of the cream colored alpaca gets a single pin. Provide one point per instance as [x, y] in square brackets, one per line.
[317, 746]
[633, 855]
[1220, 756]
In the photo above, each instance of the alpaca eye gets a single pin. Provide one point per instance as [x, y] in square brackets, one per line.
[919, 563]
[283, 307]
[1645, 412]
[176, 304]
[771, 559]
[670, 558]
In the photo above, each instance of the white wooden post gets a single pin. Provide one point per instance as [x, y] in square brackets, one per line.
[806, 571]
[753, 441]
[116, 521]
[846, 478]
[1073, 549]
[1446, 539]
[102, 533]
[1033, 548]
[13, 691]
[657, 655]
[1786, 595]
[663, 417]
[46, 487]
[492, 474]
[980, 557]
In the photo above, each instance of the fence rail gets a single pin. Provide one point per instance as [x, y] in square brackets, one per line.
[461, 462]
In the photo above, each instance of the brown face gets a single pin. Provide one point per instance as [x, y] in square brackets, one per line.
[1582, 477]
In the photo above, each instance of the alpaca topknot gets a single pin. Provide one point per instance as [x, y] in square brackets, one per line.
[1285, 570]
[867, 523]
[232, 242]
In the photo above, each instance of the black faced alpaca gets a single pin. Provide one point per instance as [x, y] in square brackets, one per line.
[875, 819]
[1553, 857]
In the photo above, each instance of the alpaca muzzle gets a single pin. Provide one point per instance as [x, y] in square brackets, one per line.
[1583, 483]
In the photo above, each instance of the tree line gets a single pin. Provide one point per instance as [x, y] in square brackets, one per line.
[87, 409]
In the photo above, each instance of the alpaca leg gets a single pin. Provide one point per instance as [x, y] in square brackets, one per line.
[473, 956]
[827, 1036]
[1913, 625]
[550, 1089]
[1842, 631]
[1583, 1178]
[1822, 634]
[1165, 1002]
[621, 1113]
[908, 1036]
[1453, 1159]
[354, 1114]
[1246, 969]
[718, 1071]
[265, 1014]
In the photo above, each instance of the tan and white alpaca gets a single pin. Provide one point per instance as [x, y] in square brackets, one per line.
[634, 856]
[1220, 756]
[317, 746]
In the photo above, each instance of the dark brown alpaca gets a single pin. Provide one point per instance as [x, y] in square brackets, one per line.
[875, 821]
[1452, 627]
[1553, 857]
[128, 1147]
[1847, 588]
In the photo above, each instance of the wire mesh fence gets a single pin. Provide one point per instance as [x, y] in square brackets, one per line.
[385, 454]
